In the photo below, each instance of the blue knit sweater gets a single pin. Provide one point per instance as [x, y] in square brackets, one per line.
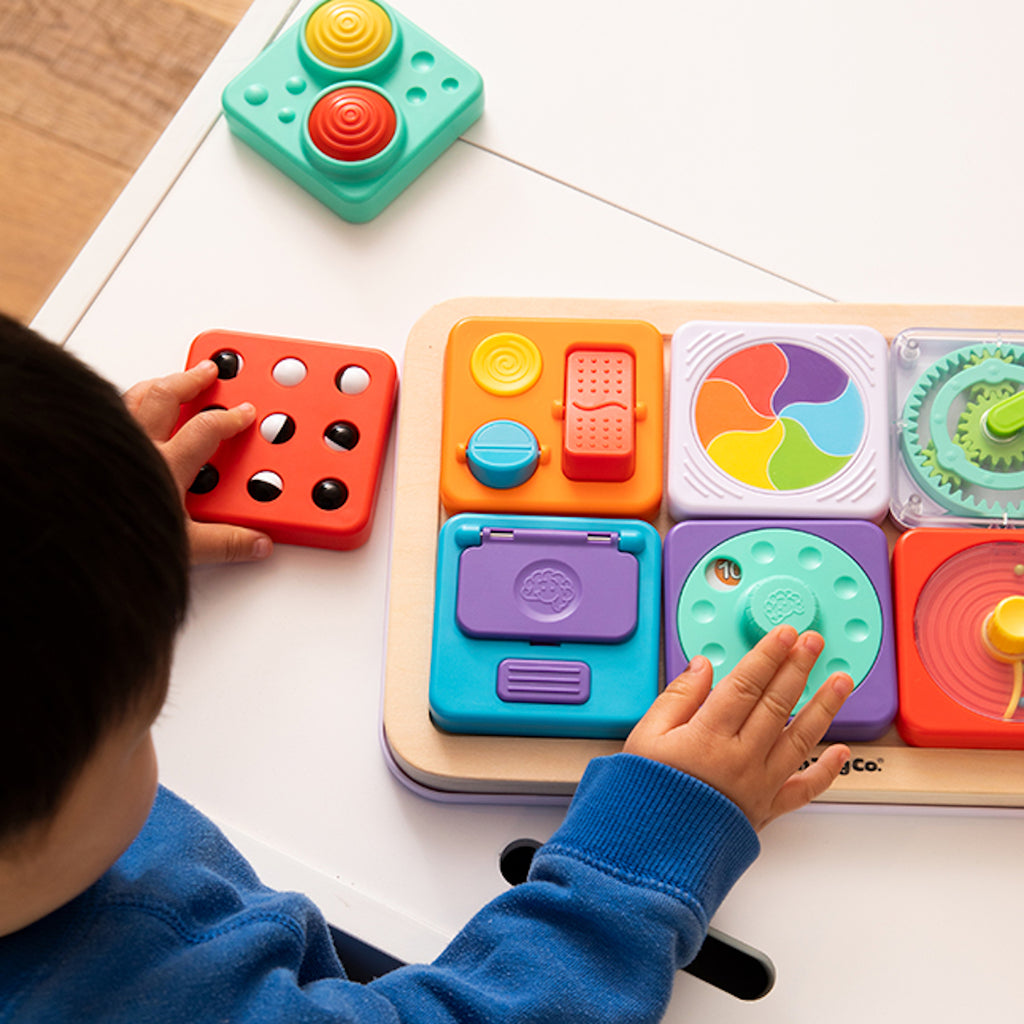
[180, 929]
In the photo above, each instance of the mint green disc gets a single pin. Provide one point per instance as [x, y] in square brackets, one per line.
[754, 581]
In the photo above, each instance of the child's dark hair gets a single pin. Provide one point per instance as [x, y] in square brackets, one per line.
[94, 571]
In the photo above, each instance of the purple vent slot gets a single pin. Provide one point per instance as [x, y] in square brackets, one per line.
[526, 681]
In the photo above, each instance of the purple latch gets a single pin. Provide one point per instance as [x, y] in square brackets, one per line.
[553, 586]
[536, 681]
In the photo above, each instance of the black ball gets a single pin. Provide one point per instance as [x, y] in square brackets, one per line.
[330, 495]
[206, 479]
[265, 486]
[342, 435]
[278, 428]
[228, 363]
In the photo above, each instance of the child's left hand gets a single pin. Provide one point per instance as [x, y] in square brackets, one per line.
[156, 405]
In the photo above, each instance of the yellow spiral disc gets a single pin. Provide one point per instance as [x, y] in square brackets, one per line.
[348, 33]
[506, 364]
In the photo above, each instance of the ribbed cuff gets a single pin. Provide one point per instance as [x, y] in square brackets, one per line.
[652, 825]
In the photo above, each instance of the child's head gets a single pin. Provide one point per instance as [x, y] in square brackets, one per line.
[95, 571]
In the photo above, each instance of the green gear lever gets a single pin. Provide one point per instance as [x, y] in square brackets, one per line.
[1006, 418]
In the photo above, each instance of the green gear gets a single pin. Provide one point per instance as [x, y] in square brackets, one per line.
[983, 449]
[984, 391]
[954, 467]
[978, 354]
[931, 463]
[991, 393]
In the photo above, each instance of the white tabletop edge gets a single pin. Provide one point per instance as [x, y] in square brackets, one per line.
[127, 218]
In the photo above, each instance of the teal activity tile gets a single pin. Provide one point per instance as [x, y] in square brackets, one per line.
[353, 103]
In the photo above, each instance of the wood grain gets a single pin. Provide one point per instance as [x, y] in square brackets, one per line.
[85, 91]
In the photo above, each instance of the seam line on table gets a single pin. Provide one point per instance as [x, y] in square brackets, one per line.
[649, 220]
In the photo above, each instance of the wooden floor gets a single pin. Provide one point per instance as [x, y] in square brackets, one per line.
[86, 88]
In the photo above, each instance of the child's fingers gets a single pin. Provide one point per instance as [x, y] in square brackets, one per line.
[804, 733]
[732, 701]
[156, 404]
[771, 713]
[677, 703]
[215, 542]
[806, 784]
[193, 446]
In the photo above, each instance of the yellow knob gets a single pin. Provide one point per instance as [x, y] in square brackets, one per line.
[1004, 628]
[348, 33]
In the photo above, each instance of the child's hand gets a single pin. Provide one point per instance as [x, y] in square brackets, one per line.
[735, 737]
[156, 404]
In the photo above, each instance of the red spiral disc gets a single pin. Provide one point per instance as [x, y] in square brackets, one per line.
[949, 621]
[352, 123]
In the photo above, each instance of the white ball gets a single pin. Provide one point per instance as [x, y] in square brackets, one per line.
[353, 380]
[289, 372]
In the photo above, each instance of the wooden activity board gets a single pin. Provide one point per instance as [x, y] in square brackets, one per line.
[885, 770]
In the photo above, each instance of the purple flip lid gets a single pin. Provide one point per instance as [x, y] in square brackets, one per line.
[553, 586]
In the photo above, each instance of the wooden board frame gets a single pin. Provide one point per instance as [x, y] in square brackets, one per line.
[475, 767]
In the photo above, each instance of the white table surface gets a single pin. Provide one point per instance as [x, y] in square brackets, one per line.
[735, 150]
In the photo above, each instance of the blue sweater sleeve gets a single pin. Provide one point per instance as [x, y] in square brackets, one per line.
[181, 929]
[616, 902]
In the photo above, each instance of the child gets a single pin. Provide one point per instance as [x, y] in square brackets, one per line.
[120, 902]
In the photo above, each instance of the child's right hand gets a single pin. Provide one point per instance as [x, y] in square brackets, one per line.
[738, 737]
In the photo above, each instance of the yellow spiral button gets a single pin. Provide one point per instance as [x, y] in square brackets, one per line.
[506, 364]
[348, 33]
[1004, 628]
